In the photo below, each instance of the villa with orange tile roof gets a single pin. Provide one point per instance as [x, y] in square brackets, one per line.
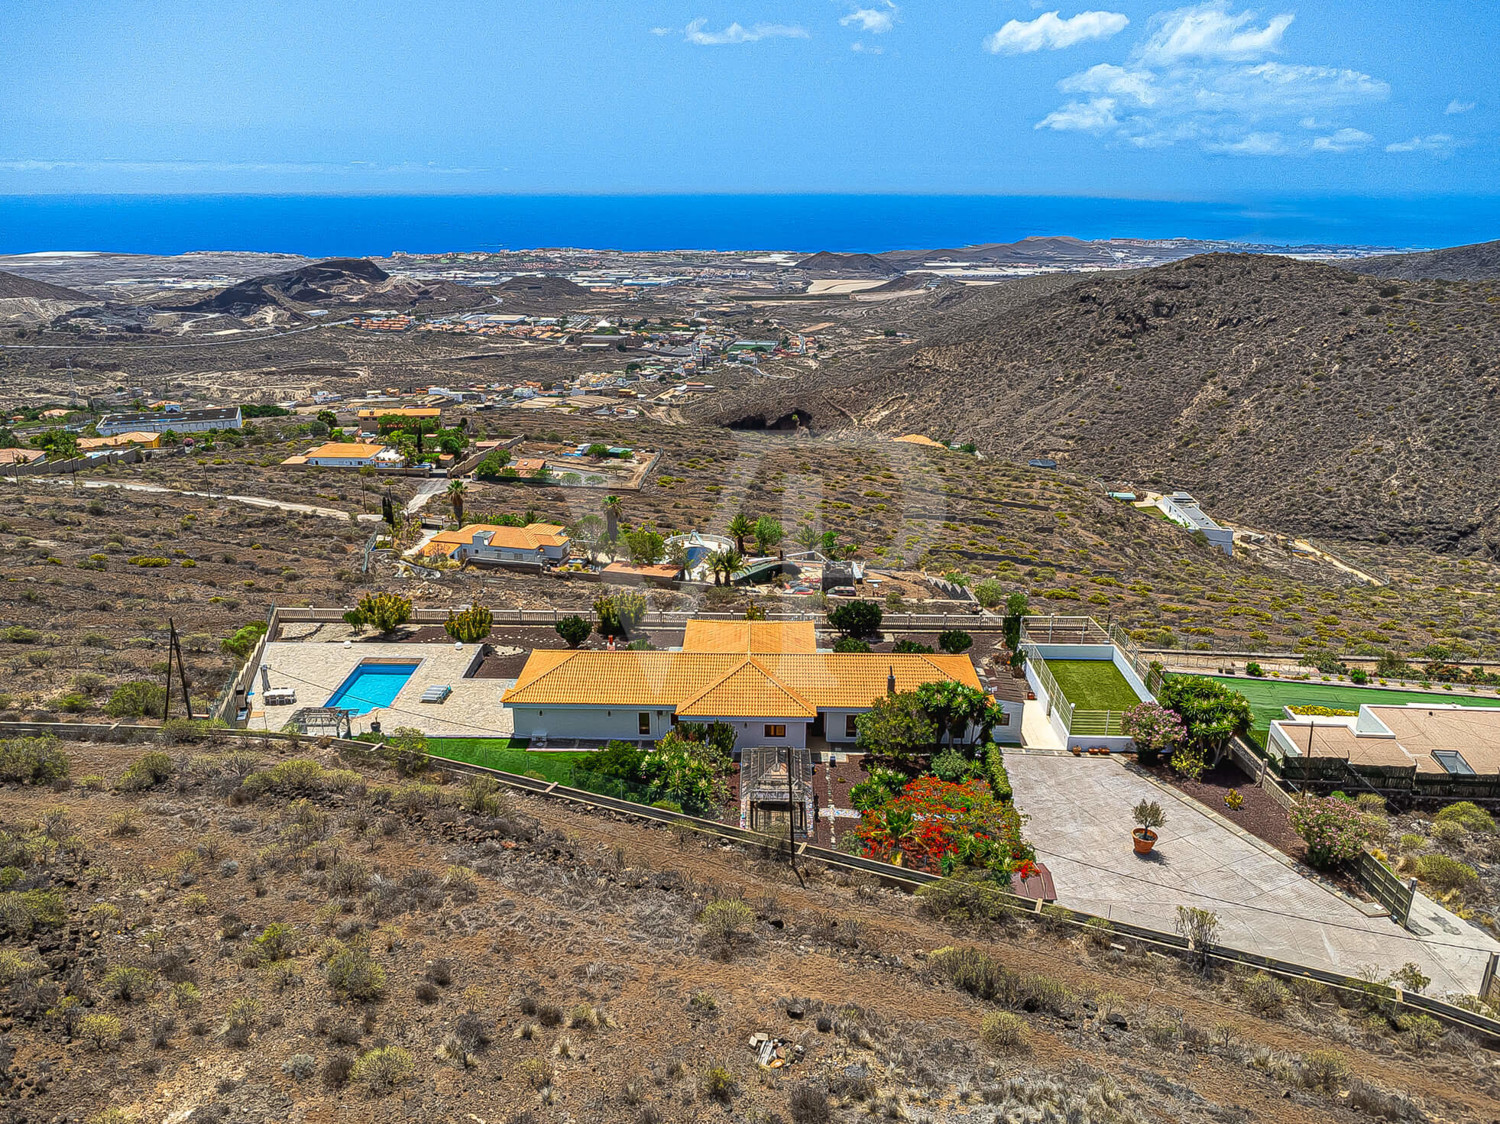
[764, 678]
[485, 542]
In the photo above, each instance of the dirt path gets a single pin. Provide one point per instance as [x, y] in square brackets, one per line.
[253, 501]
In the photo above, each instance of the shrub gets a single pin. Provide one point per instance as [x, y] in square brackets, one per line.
[1254, 669]
[103, 1032]
[21, 911]
[537, 1072]
[386, 612]
[32, 760]
[1266, 995]
[620, 614]
[971, 969]
[383, 1068]
[950, 765]
[719, 1084]
[1446, 874]
[1334, 830]
[407, 751]
[150, 563]
[989, 593]
[1001, 1031]
[1469, 814]
[15, 966]
[146, 771]
[136, 699]
[127, 984]
[809, 1105]
[300, 1066]
[850, 644]
[353, 975]
[953, 641]
[911, 647]
[727, 921]
[472, 624]
[574, 630]
[336, 1071]
[1450, 833]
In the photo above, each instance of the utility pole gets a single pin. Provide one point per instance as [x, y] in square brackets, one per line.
[166, 694]
[187, 699]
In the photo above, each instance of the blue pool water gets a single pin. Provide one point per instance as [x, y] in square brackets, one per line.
[371, 685]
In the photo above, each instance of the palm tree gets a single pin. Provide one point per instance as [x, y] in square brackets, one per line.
[740, 527]
[807, 537]
[612, 509]
[456, 492]
[723, 563]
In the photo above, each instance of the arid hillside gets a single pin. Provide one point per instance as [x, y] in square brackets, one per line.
[1282, 393]
[215, 929]
[1479, 262]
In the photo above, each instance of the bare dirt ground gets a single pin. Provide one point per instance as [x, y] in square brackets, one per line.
[542, 963]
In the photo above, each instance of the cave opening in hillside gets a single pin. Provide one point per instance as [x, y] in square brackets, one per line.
[786, 423]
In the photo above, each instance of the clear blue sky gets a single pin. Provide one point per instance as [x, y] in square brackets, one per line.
[1107, 97]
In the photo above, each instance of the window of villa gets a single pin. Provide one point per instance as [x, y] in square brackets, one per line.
[644, 722]
[850, 730]
[777, 731]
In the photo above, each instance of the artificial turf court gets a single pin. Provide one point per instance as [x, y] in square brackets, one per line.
[1268, 696]
[1093, 684]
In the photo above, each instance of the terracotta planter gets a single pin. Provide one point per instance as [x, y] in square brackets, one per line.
[1144, 839]
[1078, 751]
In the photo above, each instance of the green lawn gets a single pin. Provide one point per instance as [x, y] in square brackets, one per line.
[1268, 696]
[508, 755]
[1093, 684]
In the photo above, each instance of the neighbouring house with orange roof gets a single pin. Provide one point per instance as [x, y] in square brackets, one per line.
[120, 441]
[781, 697]
[20, 456]
[343, 454]
[484, 542]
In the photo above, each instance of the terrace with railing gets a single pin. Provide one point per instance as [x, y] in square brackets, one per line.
[1109, 646]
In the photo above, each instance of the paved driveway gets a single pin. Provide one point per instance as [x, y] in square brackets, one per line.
[1079, 820]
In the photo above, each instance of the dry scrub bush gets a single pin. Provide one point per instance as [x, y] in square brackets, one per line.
[1265, 995]
[1003, 1031]
[384, 1068]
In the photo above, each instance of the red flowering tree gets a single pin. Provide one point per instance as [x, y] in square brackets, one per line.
[938, 826]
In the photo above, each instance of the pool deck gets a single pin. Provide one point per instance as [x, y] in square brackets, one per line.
[315, 671]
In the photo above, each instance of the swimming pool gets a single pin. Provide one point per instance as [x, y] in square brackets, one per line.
[371, 685]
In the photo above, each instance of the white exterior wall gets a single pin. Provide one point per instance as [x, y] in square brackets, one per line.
[598, 723]
[590, 723]
[1010, 732]
[341, 462]
[834, 722]
[752, 731]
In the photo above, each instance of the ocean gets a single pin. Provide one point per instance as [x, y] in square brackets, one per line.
[376, 225]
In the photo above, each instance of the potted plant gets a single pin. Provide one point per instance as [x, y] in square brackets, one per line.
[1149, 816]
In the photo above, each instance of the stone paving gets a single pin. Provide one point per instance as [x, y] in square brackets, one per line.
[1079, 819]
[315, 671]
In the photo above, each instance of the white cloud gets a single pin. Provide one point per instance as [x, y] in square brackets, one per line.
[1051, 32]
[1439, 144]
[1197, 80]
[698, 34]
[873, 21]
[1211, 31]
[1342, 140]
[1094, 116]
[1116, 81]
[1251, 144]
[866, 49]
[1455, 107]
